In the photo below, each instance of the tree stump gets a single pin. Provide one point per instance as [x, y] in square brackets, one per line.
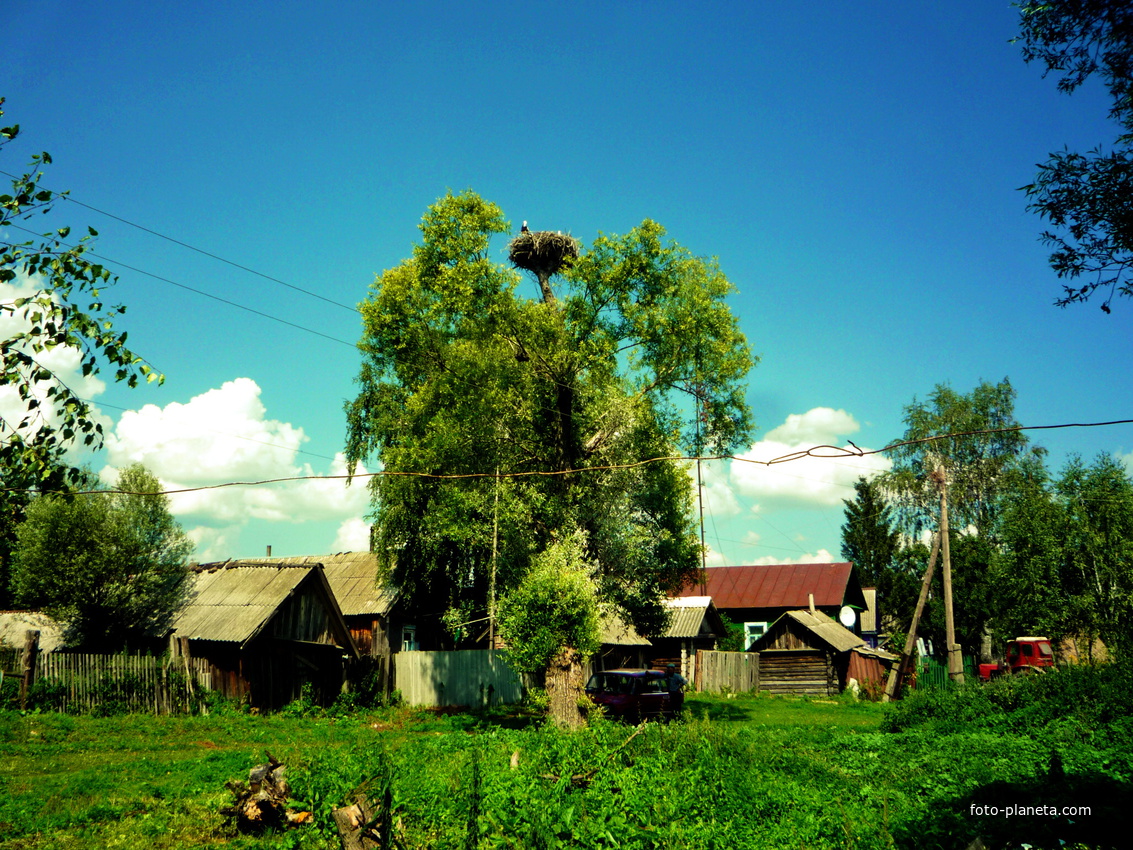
[261, 804]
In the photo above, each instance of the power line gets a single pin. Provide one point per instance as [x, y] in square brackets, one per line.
[201, 251]
[855, 451]
[198, 292]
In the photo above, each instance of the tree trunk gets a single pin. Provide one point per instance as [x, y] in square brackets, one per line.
[564, 688]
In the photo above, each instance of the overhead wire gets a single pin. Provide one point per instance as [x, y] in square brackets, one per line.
[854, 451]
[201, 251]
[200, 292]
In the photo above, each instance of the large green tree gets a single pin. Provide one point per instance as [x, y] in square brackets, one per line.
[51, 297]
[112, 566]
[968, 442]
[570, 397]
[1097, 572]
[1086, 196]
[869, 539]
[1028, 571]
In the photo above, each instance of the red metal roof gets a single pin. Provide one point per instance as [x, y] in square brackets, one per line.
[776, 585]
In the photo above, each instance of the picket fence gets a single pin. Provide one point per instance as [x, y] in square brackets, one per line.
[468, 677]
[727, 672]
[76, 682]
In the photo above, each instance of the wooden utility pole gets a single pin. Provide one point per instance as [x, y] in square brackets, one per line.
[955, 659]
[898, 671]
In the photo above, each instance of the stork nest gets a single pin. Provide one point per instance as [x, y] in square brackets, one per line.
[543, 252]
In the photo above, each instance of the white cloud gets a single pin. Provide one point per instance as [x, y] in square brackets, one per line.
[822, 556]
[353, 536]
[64, 362]
[822, 481]
[1127, 459]
[719, 499]
[222, 436]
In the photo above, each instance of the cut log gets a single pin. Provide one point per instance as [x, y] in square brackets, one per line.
[360, 827]
[261, 804]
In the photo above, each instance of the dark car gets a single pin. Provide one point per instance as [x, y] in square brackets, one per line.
[631, 694]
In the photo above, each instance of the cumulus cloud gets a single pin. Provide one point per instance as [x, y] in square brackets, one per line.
[64, 362]
[353, 536]
[815, 481]
[224, 435]
[822, 556]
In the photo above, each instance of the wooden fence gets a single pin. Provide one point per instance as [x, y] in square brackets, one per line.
[731, 672]
[472, 677]
[75, 682]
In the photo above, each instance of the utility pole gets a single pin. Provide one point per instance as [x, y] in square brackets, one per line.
[898, 671]
[955, 659]
[495, 553]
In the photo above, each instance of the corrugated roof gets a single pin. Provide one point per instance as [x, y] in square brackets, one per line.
[617, 632]
[353, 578]
[833, 633]
[776, 585]
[232, 603]
[686, 615]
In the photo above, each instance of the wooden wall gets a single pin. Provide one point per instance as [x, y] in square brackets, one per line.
[797, 671]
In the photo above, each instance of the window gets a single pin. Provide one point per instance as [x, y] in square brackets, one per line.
[409, 639]
[753, 632]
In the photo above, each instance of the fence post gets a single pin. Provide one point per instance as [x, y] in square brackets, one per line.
[31, 656]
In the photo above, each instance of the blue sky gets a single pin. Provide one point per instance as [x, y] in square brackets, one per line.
[855, 168]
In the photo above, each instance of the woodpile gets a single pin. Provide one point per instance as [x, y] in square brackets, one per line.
[260, 805]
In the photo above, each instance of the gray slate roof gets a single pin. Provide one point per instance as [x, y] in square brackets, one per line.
[828, 629]
[353, 578]
[617, 632]
[687, 615]
[232, 604]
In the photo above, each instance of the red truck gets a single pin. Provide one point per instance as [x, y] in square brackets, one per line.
[1024, 655]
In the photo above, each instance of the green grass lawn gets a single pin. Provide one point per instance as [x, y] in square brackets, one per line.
[748, 771]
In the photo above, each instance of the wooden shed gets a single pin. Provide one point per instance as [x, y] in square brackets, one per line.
[266, 630]
[367, 604]
[694, 624]
[808, 652]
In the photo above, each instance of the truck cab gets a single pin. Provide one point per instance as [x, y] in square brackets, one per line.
[1024, 655]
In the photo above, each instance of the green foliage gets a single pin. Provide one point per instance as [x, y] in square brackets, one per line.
[111, 566]
[1085, 196]
[733, 638]
[752, 772]
[547, 414]
[978, 464]
[555, 605]
[1085, 700]
[868, 538]
[975, 460]
[1096, 579]
[64, 308]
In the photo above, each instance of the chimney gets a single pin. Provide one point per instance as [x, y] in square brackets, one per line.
[811, 599]
[811, 595]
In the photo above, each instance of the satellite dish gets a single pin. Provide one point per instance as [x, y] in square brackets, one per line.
[847, 616]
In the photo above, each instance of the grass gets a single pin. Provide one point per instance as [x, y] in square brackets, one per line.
[740, 772]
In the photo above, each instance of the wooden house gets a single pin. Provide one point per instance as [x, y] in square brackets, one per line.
[694, 623]
[621, 645]
[757, 596]
[808, 652]
[266, 630]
